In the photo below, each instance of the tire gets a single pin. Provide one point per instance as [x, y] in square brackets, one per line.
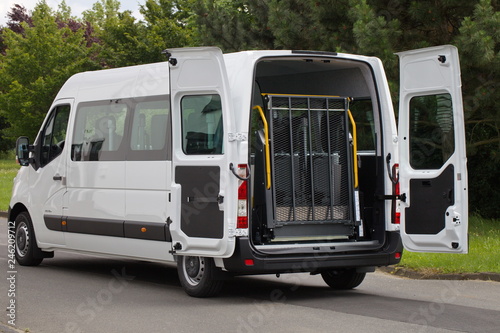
[343, 279]
[26, 241]
[196, 275]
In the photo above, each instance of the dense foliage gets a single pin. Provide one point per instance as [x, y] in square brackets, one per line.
[42, 48]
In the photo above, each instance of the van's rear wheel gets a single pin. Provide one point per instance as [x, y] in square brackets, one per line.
[26, 241]
[343, 279]
[197, 276]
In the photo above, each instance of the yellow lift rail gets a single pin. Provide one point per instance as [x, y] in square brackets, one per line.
[266, 137]
[354, 148]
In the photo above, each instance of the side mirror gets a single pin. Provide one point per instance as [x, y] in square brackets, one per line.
[23, 149]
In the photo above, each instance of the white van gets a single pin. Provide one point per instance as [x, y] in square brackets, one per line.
[253, 162]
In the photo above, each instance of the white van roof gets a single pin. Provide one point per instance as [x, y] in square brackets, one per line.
[126, 82]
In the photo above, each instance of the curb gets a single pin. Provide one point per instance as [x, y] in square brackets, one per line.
[412, 274]
[4, 328]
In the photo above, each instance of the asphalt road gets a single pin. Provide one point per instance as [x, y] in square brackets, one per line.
[86, 293]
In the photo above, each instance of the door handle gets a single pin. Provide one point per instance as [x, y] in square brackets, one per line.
[57, 177]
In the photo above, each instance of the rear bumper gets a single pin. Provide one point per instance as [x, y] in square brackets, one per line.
[272, 264]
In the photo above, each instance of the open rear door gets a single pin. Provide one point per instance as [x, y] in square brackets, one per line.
[200, 220]
[433, 170]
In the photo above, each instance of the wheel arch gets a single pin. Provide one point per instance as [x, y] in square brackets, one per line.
[16, 210]
[13, 213]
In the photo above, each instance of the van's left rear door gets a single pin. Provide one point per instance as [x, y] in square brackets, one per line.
[201, 214]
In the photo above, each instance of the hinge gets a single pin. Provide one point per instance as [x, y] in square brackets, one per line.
[236, 137]
[401, 197]
[177, 246]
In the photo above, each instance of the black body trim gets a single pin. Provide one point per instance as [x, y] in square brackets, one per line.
[314, 52]
[315, 263]
[106, 227]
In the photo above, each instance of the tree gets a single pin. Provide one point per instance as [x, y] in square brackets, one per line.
[37, 60]
[125, 41]
[166, 26]
[479, 45]
[233, 25]
[118, 34]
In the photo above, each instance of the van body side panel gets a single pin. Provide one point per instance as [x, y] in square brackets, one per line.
[118, 192]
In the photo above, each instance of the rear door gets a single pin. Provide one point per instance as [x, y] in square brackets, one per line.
[201, 216]
[433, 172]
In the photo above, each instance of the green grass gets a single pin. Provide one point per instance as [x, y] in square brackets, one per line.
[483, 256]
[8, 170]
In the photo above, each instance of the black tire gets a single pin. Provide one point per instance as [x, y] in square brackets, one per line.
[343, 279]
[26, 241]
[196, 275]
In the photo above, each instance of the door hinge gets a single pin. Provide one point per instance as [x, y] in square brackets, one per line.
[401, 197]
[236, 137]
[177, 246]
[220, 199]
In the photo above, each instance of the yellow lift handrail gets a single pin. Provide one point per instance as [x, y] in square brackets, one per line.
[354, 148]
[266, 137]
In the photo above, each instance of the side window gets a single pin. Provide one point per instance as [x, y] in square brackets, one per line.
[54, 134]
[432, 139]
[150, 130]
[362, 112]
[202, 129]
[99, 131]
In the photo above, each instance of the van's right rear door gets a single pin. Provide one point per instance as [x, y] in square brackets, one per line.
[433, 172]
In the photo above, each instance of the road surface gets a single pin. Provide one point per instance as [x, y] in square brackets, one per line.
[87, 293]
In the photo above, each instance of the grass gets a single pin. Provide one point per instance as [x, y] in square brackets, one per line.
[483, 256]
[8, 170]
[484, 239]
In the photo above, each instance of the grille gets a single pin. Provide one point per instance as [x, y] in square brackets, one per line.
[310, 159]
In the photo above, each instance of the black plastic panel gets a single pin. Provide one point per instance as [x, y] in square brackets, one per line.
[200, 214]
[429, 200]
[104, 227]
[95, 226]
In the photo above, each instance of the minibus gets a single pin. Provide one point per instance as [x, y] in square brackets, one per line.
[254, 162]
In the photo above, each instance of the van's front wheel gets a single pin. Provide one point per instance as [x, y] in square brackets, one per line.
[26, 241]
[343, 279]
[196, 275]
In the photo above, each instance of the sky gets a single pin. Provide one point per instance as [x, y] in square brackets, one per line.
[77, 6]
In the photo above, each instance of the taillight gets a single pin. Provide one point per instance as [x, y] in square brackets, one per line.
[396, 211]
[242, 217]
